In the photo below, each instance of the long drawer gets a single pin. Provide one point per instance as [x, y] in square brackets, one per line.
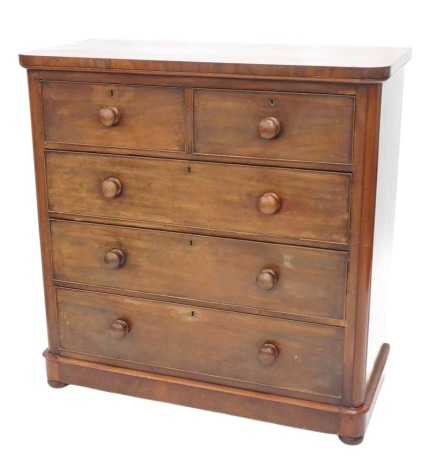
[255, 351]
[111, 115]
[309, 205]
[264, 276]
[277, 126]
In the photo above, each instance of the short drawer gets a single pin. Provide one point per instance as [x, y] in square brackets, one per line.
[277, 126]
[143, 117]
[257, 275]
[308, 205]
[257, 352]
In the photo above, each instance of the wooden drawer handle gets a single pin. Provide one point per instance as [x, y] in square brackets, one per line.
[268, 353]
[114, 259]
[269, 203]
[119, 329]
[269, 128]
[111, 187]
[266, 279]
[109, 116]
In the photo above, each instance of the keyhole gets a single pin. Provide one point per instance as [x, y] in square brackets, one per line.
[193, 313]
[112, 92]
[191, 242]
[271, 102]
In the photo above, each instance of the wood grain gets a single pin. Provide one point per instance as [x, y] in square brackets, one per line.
[384, 218]
[187, 82]
[305, 414]
[215, 223]
[150, 117]
[254, 60]
[314, 128]
[36, 109]
[209, 342]
[218, 270]
[313, 205]
[198, 394]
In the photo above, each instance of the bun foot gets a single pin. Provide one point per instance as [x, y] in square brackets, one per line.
[54, 384]
[351, 441]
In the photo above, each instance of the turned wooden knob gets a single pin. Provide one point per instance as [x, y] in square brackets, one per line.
[266, 279]
[269, 128]
[111, 187]
[268, 353]
[269, 203]
[119, 329]
[114, 259]
[109, 116]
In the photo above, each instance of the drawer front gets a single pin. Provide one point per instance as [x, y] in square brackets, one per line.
[256, 275]
[313, 128]
[308, 205]
[214, 343]
[148, 117]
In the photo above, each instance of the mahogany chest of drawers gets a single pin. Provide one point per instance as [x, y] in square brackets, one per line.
[215, 223]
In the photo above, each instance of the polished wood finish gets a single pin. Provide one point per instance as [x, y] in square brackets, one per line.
[214, 222]
[306, 414]
[152, 117]
[384, 215]
[55, 384]
[313, 205]
[209, 343]
[198, 394]
[269, 128]
[268, 353]
[119, 329]
[351, 441]
[42, 203]
[269, 203]
[109, 116]
[314, 127]
[111, 187]
[320, 63]
[203, 268]
[354, 420]
[114, 259]
[266, 279]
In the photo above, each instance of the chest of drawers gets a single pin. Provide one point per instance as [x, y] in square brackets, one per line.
[215, 223]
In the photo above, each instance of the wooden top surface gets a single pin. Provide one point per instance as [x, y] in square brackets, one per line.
[278, 61]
